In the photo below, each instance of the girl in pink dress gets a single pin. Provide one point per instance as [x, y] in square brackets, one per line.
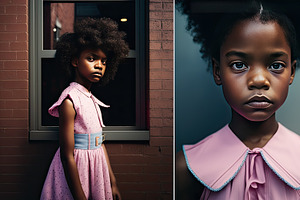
[80, 168]
[253, 55]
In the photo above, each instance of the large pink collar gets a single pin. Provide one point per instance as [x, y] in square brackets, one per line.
[217, 159]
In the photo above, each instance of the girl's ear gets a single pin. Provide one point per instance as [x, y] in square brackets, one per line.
[74, 62]
[293, 71]
[216, 71]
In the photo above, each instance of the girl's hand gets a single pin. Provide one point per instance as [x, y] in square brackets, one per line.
[115, 192]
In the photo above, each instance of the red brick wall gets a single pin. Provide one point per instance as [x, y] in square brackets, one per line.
[143, 170]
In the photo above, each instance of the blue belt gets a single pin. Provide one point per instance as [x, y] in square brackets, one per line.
[88, 141]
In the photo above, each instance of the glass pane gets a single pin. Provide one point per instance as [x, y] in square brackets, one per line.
[119, 94]
[59, 18]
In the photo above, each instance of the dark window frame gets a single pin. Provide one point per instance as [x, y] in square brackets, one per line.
[120, 133]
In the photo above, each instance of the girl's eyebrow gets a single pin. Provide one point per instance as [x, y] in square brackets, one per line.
[278, 54]
[237, 53]
[245, 55]
[96, 56]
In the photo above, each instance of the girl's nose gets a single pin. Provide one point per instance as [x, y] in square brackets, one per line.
[258, 80]
[98, 64]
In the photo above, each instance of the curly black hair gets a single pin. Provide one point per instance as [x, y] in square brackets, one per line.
[211, 21]
[90, 33]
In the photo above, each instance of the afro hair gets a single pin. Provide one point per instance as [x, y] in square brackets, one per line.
[209, 22]
[92, 33]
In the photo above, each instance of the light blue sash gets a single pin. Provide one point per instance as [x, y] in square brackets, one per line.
[88, 141]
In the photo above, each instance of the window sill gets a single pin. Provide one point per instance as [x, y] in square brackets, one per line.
[119, 135]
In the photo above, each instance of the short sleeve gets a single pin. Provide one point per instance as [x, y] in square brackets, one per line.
[53, 110]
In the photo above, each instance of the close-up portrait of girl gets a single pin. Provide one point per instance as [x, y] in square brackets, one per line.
[243, 150]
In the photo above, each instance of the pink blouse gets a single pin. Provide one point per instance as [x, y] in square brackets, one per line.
[230, 170]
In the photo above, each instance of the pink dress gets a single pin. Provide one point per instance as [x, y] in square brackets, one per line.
[91, 164]
[230, 170]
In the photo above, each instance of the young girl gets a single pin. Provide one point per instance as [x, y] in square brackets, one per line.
[80, 168]
[253, 55]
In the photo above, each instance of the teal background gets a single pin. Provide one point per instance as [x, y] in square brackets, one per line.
[200, 108]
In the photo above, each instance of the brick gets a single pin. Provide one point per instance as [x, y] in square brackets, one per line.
[167, 113]
[168, 45]
[6, 94]
[155, 35]
[4, 46]
[11, 84]
[15, 65]
[16, 28]
[155, 84]
[167, 122]
[20, 113]
[20, 2]
[161, 103]
[156, 54]
[167, 35]
[167, 15]
[19, 94]
[8, 75]
[16, 132]
[168, 94]
[13, 123]
[155, 24]
[155, 6]
[167, 65]
[22, 18]
[22, 9]
[155, 64]
[153, 151]
[156, 122]
[19, 46]
[8, 19]
[156, 75]
[167, 25]
[155, 94]
[168, 84]
[22, 75]
[6, 113]
[155, 45]
[22, 37]
[156, 113]
[8, 36]
[167, 6]
[156, 15]
[2, 27]
[161, 141]
[17, 104]
[2, 9]
[8, 55]
[22, 55]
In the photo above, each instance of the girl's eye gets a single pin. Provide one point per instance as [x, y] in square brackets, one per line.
[91, 59]
[276, 67]
[239, 66]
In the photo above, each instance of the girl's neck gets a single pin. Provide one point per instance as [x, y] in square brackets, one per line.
[86, 84]
[253, 134]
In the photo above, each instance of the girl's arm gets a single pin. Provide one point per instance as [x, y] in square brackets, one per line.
[66, 143]
[186, 185]
[114, 187]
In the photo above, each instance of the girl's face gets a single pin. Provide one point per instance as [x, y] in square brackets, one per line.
[90, 66]
[255, 69]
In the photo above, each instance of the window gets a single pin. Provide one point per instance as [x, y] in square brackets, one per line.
[126, 118]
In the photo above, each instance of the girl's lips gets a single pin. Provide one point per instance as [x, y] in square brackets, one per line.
[259, 104]
[97, 74]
